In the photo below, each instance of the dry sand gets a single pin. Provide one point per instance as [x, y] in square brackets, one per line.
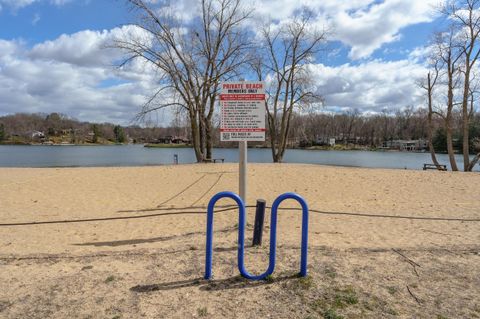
[359, 266]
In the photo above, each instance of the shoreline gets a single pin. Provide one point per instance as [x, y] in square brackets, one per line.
[173, 146]
[183, 164]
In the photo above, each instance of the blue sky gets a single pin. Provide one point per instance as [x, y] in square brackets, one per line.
[43, 20]
[52, 56]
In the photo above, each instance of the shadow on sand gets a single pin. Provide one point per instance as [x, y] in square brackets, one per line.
[236, 282]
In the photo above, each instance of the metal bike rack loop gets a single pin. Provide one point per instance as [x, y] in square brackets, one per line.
[241, 234]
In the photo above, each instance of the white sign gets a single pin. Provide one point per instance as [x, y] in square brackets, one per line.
[242, 111]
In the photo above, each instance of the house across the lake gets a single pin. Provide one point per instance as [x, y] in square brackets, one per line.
[169, 139]
[406, 145]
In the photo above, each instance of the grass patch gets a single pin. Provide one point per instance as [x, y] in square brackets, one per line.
[332, 314]
[202, 311]
[269, 278]
[109, 279]
[335, 300]
[305, 283]
[391, 290]
[345, 297]
[330, 272]
[392, 312]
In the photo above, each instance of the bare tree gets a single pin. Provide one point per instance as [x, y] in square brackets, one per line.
[287, 51]
[466, 18]
[192, 58]
[429, 87]
[447, 52]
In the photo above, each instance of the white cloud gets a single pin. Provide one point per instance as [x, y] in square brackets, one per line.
[363, 25]
[36, 18]
[370, 86]
[73, 75]
[366, 30]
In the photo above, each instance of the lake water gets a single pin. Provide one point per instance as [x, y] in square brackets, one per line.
[137, 155]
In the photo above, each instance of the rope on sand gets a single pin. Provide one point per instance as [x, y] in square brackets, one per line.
[184, 211]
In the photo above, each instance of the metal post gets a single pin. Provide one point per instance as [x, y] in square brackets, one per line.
[259, 218]
[242, 162]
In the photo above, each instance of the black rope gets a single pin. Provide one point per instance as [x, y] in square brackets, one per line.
[446, 219]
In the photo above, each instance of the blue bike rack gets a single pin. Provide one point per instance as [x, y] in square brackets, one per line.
[241, 234]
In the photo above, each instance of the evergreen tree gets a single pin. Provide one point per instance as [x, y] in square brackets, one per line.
[96, 133]
[119, 134]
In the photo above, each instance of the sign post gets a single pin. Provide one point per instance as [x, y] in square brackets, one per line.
[242, 119]
[242, 169]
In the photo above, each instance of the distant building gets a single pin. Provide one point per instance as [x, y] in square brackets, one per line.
[325, 140]
[406, 145]
[37, 134]
[169, 139]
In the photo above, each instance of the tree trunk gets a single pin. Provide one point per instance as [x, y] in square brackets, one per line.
[202, 137]
[448, 119]
[272, 128]
[465, 119]
[208, 139]
[429, 122]
[473, 162]
[431, 148]
[451, 154]
[195, 137]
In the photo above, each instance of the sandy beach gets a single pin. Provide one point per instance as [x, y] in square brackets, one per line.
[130, 243]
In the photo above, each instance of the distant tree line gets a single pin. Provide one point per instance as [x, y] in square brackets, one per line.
[350, 129]
[26, 128]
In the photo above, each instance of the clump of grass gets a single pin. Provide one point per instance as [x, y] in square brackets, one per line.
[330, 272]
[269, 278]
[392, 312]
[345, 297]
[332, 314]
[334, 300]
[305, 282]
[319, 304]
[373, 302]
[202, 311]
[109, 279]
[391, 290]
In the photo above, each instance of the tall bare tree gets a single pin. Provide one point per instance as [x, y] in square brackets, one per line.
[287, 51]
[448, 54]
[429, 86]
[465, 16]
[192, 58]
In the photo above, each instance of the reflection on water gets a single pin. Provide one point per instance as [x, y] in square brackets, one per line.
[137, 155]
